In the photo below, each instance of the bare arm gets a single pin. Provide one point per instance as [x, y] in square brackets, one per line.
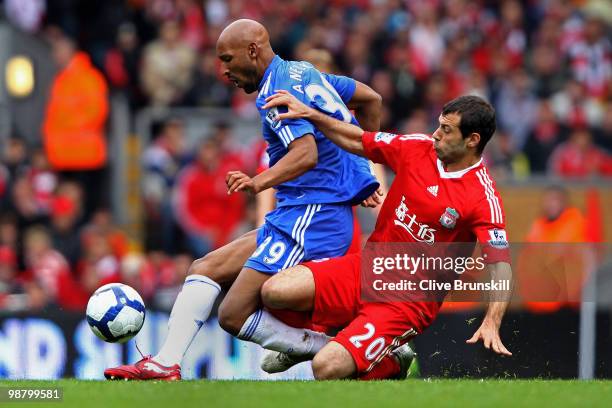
[301, 157]
[345, 135]
[488, 331]
[265, 202]
[367, 105]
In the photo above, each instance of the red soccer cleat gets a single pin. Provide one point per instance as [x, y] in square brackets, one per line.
[145, 369]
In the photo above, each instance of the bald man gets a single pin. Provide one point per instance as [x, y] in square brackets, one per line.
[316, 186]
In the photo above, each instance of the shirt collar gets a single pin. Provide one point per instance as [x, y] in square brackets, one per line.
[275, 61]
[455, 174]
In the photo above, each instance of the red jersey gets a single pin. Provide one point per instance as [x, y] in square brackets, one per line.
[426, 203]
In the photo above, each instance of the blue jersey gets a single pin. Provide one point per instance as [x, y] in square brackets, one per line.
[339, 176]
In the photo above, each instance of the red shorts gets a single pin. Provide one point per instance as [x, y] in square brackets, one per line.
[371, 330]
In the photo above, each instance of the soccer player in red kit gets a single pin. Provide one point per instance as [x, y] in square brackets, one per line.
[442, 193]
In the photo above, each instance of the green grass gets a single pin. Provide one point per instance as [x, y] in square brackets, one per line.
[340, 394]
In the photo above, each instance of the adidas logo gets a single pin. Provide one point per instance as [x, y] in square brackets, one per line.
[433, 190]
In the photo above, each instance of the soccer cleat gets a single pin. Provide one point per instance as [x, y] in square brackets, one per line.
[277, 362]
[405, 355]
[145, 369]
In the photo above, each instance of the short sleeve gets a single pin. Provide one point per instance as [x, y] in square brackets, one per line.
[391, 149]
[289, 129]
[345, 86]
[488, 221]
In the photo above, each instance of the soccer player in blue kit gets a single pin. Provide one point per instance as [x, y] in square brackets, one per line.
[316, 185]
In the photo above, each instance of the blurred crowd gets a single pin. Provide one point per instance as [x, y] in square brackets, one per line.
[57, 247]
[545, 65]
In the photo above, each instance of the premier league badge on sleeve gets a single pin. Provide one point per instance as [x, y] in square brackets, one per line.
[272, 118]
[449, 218]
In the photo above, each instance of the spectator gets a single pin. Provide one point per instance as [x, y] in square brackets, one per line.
[591, 59]
[167, 67]
[137, 273]
[43, 180]
[603, 135]
[551, 275]
[208, 88]
[162, 162]
[98, 265]
[102, 222]
[517, 107]
[579, 157]
[172, 283]
[122, 63]
[9, 232]
[63, 229]
[548, 74]
[574, 108]
[559, 221]
[10, 287]
[13, 165]
[425, 37]
[25, 205]
[543, 138]
[73, 191]
[501, 156]
[16, 295]
[73, 128]
[193, 32]
[206, 213]
[233, 153]
[49, 271]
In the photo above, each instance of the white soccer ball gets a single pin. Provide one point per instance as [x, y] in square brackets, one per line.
[115, 312]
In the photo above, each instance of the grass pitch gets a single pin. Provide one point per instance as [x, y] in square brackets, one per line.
[290, 394]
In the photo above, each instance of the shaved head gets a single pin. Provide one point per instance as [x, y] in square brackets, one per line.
[245, 52]
[243, 32]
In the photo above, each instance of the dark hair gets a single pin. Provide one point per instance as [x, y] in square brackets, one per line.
[477, 116]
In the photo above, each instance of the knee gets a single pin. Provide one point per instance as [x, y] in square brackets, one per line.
[326, 368]
[204, 266]
[229, 320]
[272, 294]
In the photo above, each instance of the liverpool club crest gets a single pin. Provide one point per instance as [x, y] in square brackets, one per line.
[449, 218]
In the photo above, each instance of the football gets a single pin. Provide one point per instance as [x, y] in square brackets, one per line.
[115, 312]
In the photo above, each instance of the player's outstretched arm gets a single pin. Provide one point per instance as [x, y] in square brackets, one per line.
[488, 331]
[367, 104]
[301, 157]
[345, 135]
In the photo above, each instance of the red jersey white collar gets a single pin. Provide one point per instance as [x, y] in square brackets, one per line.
[455, 174]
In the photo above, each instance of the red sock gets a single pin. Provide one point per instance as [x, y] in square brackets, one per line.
[386, 369]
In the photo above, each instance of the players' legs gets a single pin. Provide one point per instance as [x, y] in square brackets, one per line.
[241, 301]
[224, 264]
[289, 235]
[291, 289]
[365, 348]
[333, 304]
[333, 362]
[240, 315]
[200, 290]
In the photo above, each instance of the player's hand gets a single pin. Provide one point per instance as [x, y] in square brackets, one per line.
[374, 200]
[295, 108]
[238, 181]
[488, 332]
